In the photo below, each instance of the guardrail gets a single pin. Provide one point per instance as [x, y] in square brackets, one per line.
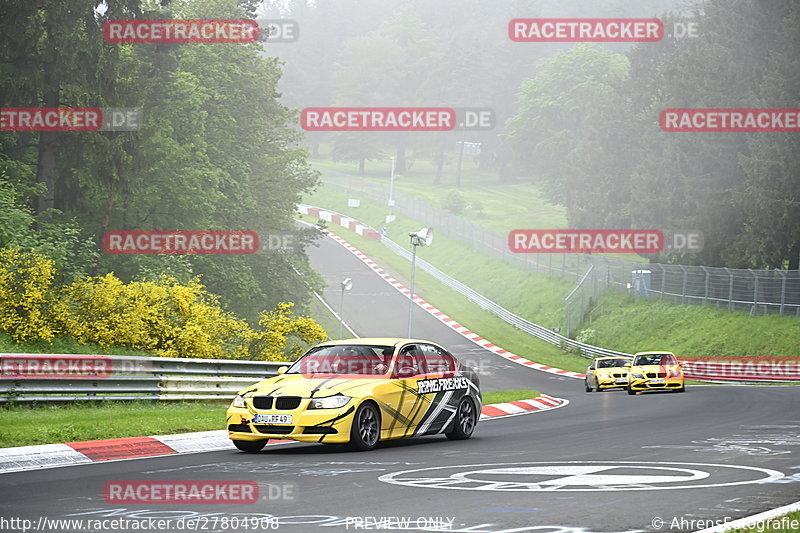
[74, 377]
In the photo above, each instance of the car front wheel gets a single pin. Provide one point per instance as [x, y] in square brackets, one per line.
[250, 446]
[366, 427]
[464, 424]
[587, 385]
[631, 391]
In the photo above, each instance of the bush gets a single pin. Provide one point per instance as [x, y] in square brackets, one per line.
[279, 328]
[26, 280]
[455, 203]
[162, 316]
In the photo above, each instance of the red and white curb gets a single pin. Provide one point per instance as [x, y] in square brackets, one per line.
[25, 458]
[522, 407]
[466, 333]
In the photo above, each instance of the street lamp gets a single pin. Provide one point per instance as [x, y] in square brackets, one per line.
[347, 284]
[423, 237]
[390, 216]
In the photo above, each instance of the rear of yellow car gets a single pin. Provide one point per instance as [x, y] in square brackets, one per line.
[655, 371]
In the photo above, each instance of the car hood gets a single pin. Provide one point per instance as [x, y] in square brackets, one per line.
[616, 370]
[307, 387]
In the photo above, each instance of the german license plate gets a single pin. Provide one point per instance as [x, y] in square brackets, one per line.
[272, 419]
[622, 380]
[657, 381]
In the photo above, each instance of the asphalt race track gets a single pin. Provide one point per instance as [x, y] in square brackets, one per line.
[605, 462]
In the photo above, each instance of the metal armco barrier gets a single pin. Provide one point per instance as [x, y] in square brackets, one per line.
[71, 377]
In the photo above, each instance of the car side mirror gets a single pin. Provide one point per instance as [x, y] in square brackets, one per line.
[282, 370]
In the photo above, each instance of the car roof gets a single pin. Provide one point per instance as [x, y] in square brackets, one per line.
[662, 352]
[626, 357]
[382, 341]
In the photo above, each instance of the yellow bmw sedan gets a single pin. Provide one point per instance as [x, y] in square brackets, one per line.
[607, 373]
[655, 371]
[359, 391]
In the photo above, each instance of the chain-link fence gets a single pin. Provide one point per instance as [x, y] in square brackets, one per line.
[757, 292]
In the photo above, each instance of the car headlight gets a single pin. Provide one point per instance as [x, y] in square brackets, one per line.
[637, 375]
[329, 402]
[238, 401]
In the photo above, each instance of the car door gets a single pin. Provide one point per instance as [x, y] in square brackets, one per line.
[440, 367]
[404, 404]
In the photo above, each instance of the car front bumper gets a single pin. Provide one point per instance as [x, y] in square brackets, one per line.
[308, 425]
[640, 384]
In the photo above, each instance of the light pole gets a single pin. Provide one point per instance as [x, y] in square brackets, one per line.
[390, 216]
[347, 284]
[423, 237]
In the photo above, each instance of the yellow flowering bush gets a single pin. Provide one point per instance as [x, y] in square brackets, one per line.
[26, 280]
[161, 316]
[278, 328]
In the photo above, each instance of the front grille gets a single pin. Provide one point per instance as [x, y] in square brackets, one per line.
[657, 375]
[321, 431]
[287, 402]
[240, 428]
[619, 375]
[262, 402]
[274, 430]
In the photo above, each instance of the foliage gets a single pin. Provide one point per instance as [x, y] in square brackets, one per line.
[278, 328]
[25, 284]
[455, 203]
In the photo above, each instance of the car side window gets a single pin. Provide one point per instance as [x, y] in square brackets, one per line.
[437, 361]
[408, 364]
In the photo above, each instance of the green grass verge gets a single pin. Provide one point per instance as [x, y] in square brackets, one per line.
[504, 396]
[774, 525]
[687, 330]
[24, 425]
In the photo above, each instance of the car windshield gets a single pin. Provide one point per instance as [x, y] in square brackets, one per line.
[358, 359]
[611, 363]
[655, 359]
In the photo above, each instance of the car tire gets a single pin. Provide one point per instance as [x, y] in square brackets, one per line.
[682, 389]
[587, 385]
[464, 423]
[366, 429]
[250, 446]
[631, 391]
[597, 386]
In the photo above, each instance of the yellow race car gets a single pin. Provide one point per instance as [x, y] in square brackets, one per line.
[607, 373]
[359, 391]
[655, 371]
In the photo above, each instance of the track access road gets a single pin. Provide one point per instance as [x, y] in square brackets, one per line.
[607, 462]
